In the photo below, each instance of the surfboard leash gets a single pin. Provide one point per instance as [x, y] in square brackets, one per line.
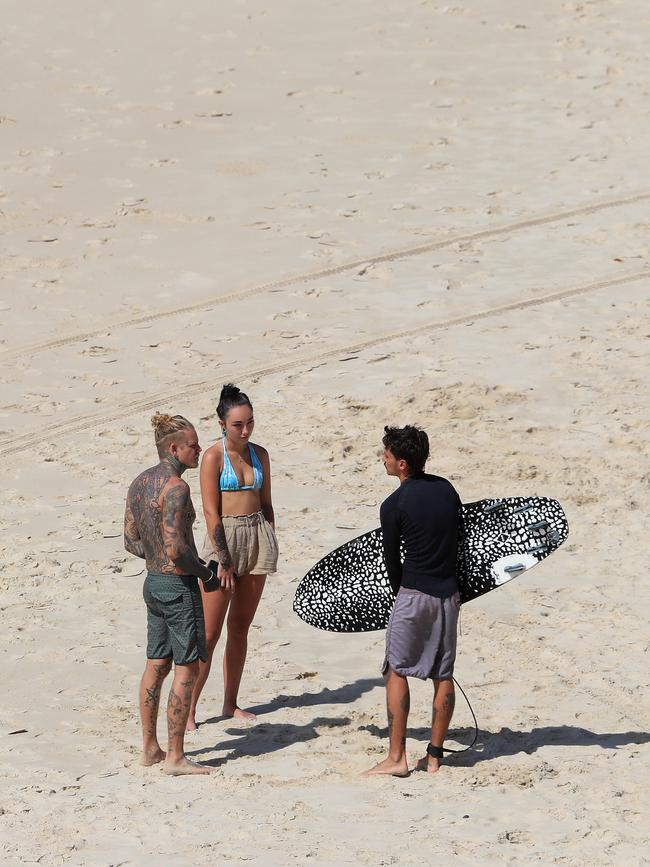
[465, 749]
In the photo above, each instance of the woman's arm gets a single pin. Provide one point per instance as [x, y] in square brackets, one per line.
[211, 499]
[266, 502]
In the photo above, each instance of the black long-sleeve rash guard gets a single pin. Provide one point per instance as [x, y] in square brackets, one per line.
[423, 513]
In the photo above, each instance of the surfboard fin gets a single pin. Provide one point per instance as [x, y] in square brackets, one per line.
[517, 567]
[493, 507]
[537, 548]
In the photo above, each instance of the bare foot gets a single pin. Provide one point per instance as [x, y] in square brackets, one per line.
[192, 725]
[388, 766]
[429, 764]
[238, 713]
[152, 757]
[184, 766]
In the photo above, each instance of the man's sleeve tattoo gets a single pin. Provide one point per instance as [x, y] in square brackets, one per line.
[175, 532]
[132, 541]
[174, 510]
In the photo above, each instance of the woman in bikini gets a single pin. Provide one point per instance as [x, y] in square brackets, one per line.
[236, 494]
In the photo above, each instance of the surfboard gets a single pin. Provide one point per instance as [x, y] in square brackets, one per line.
[499, 539]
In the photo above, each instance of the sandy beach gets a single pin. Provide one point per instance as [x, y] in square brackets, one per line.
[362, 214]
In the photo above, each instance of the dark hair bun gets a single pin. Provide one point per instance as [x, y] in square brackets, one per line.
[231, 396]
[229, 391]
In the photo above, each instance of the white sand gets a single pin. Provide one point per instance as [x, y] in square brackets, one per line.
[159, 157]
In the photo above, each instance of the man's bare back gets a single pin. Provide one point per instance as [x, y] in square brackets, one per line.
[159, 519]
[158, 522]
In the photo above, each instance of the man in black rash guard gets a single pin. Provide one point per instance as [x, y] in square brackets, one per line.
[423, 515]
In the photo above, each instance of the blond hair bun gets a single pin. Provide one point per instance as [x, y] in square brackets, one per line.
[165, 425]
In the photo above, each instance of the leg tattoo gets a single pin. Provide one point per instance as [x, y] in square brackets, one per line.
[150, 688]
[390, 716]
[178, 708]
[405, 705]
[449, 704]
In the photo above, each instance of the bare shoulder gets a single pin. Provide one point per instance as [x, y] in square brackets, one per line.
[176, 491]
[177, 485]
[142, 488]
[213, 456]
[140, 480]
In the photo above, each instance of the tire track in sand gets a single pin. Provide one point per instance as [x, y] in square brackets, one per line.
[22, 442]
[392, 256]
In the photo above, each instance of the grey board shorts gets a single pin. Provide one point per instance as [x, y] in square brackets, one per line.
[421, 635]
[175, 625]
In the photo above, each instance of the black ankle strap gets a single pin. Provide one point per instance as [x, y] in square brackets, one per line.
[435, 752]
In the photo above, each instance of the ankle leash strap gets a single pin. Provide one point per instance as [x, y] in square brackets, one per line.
[434, 752]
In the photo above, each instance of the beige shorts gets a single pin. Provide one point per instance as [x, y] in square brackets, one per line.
[252, 544]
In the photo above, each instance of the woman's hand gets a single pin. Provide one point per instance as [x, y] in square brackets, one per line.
[227, 578]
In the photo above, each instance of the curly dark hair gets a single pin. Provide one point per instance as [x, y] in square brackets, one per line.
[409, 444]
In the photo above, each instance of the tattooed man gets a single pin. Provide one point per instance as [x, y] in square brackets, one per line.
[158, 527]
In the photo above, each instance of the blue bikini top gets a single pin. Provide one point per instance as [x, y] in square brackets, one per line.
[228, 480]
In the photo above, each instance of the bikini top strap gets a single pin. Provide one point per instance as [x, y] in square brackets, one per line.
[226, 459]
[227, 471]
[257, 463]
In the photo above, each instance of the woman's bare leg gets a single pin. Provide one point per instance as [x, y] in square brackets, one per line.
[215, 606]
[247, 595]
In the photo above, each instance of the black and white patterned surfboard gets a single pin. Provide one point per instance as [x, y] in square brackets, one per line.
[348, 590]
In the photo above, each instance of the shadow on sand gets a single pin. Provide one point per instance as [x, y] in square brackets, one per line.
[265, 738]
[506, 742]
[342, 695]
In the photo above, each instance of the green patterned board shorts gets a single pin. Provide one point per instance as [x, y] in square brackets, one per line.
[175, 625]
